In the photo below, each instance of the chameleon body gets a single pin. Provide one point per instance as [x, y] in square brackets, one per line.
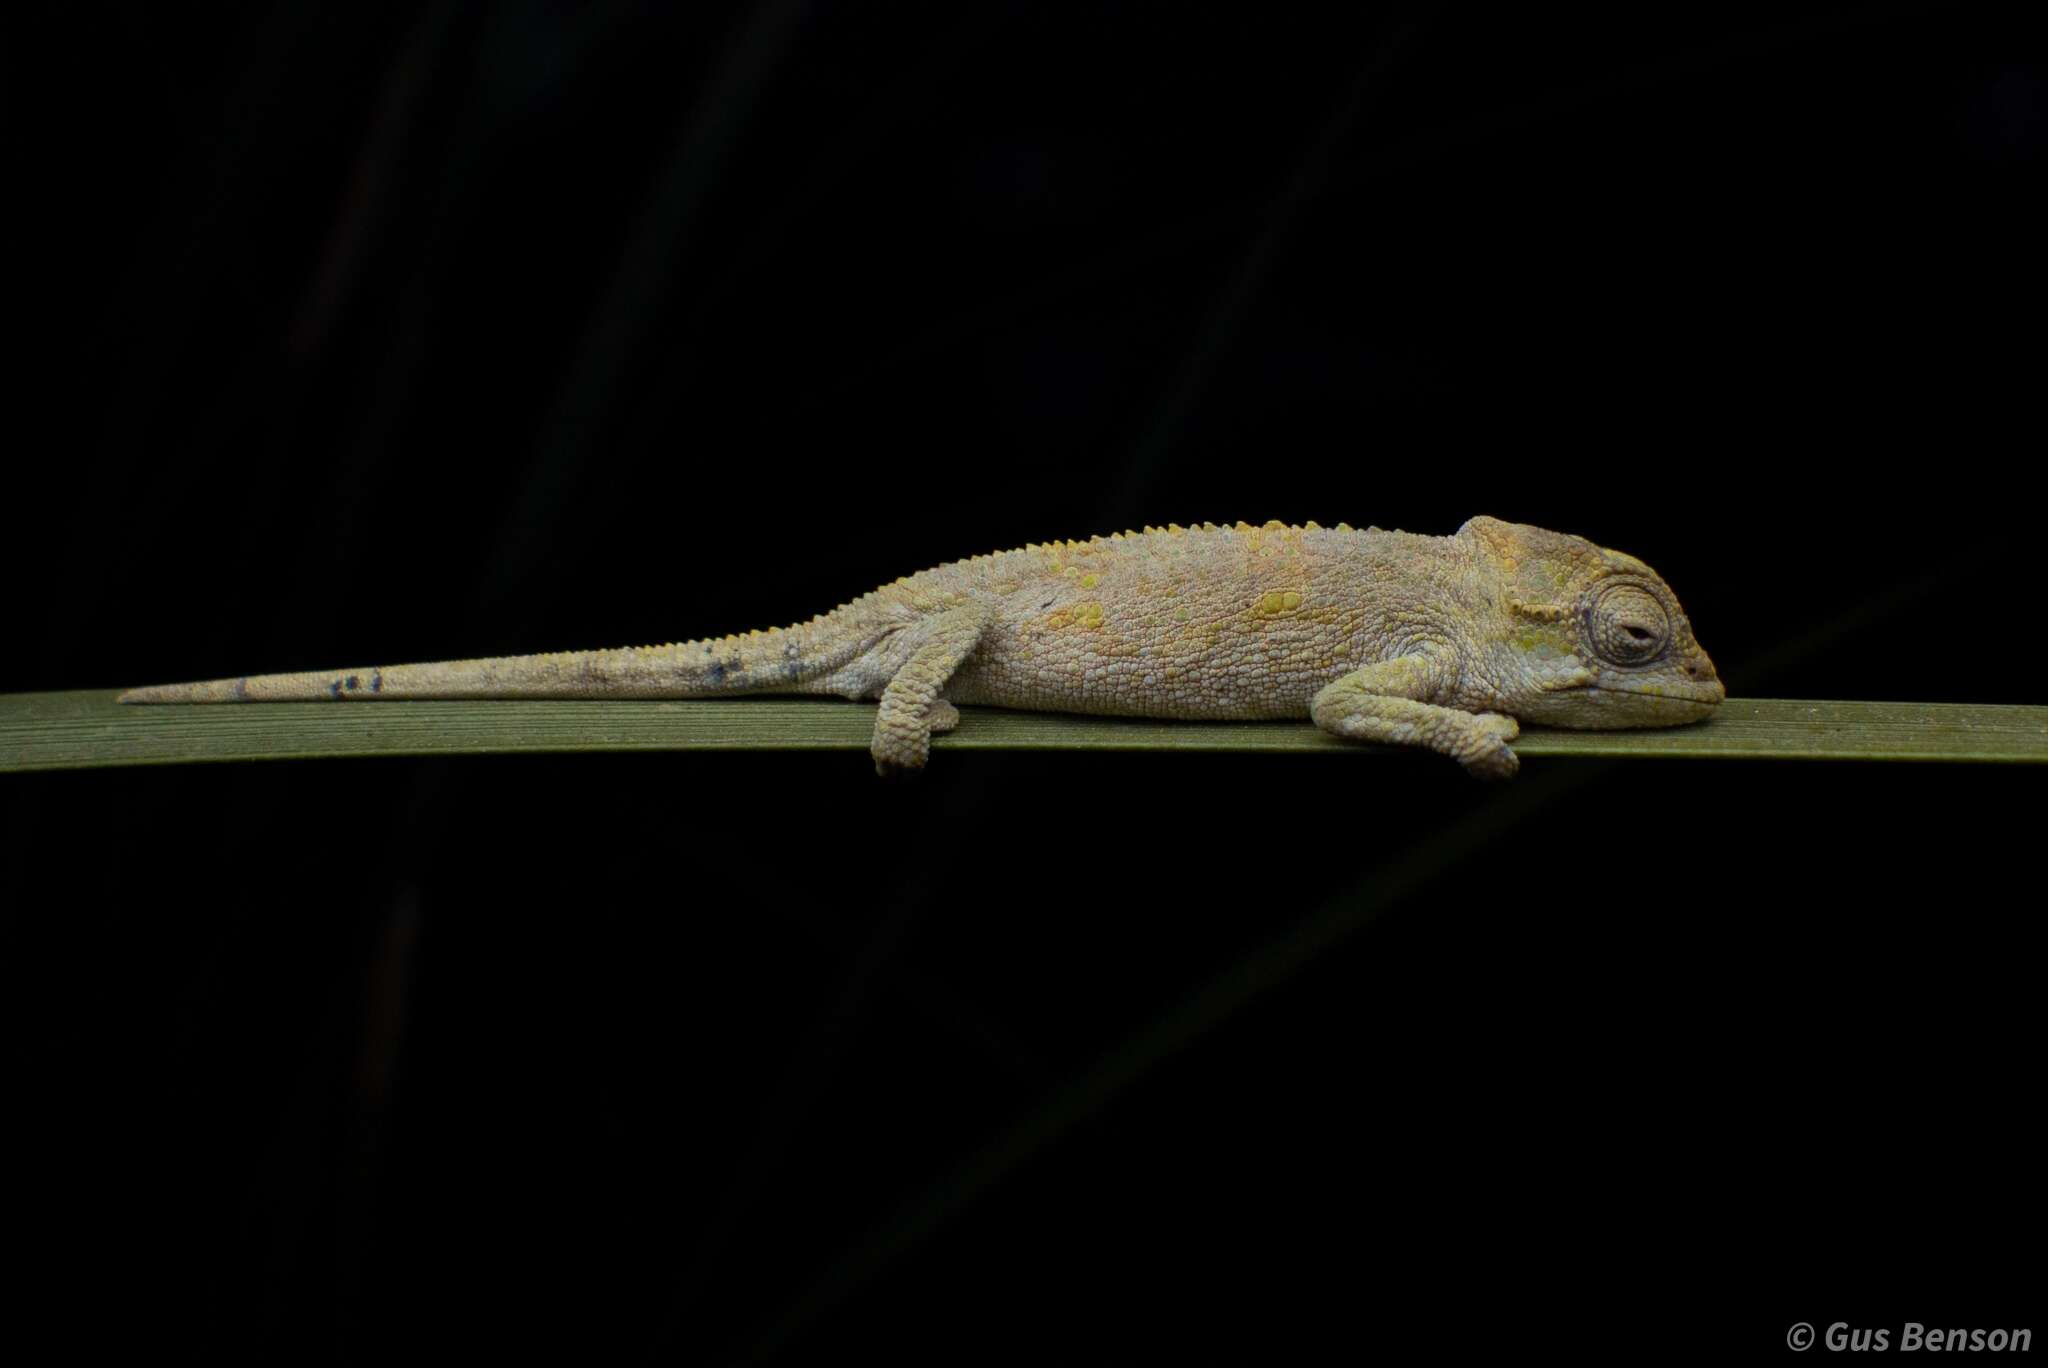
[1437, 642]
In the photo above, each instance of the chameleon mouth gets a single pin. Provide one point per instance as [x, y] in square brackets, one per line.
[1701, 697]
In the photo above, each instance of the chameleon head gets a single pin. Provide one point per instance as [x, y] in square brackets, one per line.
[1587, 637]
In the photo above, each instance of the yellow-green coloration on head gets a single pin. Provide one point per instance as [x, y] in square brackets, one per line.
[1592, 638]
[1438, 642]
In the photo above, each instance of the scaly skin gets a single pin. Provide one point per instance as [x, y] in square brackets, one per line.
[1439, 642]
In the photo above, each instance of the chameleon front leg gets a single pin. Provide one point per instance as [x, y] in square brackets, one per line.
[911, 707]
[1385, 702]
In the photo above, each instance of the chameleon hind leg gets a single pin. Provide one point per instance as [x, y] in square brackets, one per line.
[1384, 702]
[911, 707]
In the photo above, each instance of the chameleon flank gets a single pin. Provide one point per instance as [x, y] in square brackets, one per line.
[1438, 642]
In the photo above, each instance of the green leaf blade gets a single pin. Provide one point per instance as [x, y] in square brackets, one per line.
[86, 729]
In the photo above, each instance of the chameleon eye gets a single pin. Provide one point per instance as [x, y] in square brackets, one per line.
[1627, 625]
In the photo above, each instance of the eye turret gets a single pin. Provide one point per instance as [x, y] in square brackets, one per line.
[1626, 624]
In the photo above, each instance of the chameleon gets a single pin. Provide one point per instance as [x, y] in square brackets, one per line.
[1443, 643]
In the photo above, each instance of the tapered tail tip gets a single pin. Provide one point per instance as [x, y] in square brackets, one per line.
[213, 691]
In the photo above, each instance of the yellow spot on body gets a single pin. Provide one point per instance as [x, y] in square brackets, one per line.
[1290, 600]
[1090, 581]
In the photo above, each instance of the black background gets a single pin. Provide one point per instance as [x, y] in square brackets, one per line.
[373, 334]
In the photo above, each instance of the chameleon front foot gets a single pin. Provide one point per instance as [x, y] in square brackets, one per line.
[1483, 749]
[1384, 703]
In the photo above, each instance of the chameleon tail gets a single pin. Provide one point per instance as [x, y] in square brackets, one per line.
[780, 661]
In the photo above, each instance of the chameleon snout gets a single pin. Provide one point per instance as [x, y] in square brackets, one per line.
[1699, 672]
